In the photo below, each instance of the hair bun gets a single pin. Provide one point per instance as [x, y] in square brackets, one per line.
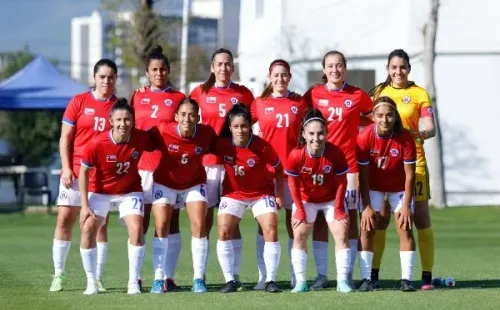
[122, 101]
[156, 50]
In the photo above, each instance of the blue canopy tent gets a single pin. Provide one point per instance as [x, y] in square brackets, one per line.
[38, 86]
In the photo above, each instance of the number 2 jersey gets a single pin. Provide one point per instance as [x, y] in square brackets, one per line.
[246, 176]
[115, 164]
[342, 110]
[151, 108]
[181, 163]
[386, 158]
[90, 117]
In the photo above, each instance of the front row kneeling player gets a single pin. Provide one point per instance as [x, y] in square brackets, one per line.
[317, 180]
[247, 184]
[386, 156]
[111, 161]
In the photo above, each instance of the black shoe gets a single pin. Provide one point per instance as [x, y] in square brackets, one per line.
[365, 286]
[230, 287]
[239, 286]
[375, 284]
[405, 286]
[139, 282]
[272, 287]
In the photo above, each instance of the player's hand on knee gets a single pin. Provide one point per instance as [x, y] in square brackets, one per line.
[368, 219]
[85, 213]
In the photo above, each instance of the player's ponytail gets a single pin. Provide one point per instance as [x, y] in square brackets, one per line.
[210, 82]
[269, 88]
[121, 104]
[324, 78]
[235, 111]
[310, 116]
[377, 90]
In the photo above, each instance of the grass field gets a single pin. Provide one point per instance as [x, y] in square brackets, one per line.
[468, 249]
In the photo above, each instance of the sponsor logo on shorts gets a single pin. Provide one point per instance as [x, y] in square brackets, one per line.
[306, 170]
[348, 103]
[394, 152]
[327, 169]
[251, 162]
[89, 111]
[323, 102]
[234, 100]
[269, 110]
[145, 100]
[406, 99]
[111, 158]
[63, 196]
[198, 150]
[228, 159]
[158, 194]
[168, 102]
[173, 148]
[222, 205]
[294, 109]
[211, 99]
[135, 154]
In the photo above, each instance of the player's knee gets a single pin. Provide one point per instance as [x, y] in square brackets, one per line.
[89, 229]
[270, 233]
[225, 233]
[64, 223]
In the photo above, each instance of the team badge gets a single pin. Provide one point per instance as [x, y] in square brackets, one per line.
[173, 148]
[89, 111]
[268, 110]
[135, 154]
[198, 150]
[63, 195]
[211, 99]
[348, 103]
[294, 109]
[228, 159]
[168, 102]
[394, 152]
[327, 169]
[251, 162]
[430, 111]
[323, 102]
[158, 194]
[145, 100]
[111, 158]
[234, 100]
[406, 99]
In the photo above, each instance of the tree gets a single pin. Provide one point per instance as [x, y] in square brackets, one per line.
[32, 135]
[434, 145]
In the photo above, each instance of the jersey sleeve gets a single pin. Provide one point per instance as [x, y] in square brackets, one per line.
[292, 166]
[89, 158]
[248, 98]
[269, 155]
[365, 104]
[425, 105]
[308, 99]
[409, 149]
[362, 148]
[253, 111]
[70, 115]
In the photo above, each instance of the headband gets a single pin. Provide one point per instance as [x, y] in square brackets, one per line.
[313, 119]
[384, 103]
[280, 63]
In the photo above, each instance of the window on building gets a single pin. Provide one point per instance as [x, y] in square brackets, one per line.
[259, 8]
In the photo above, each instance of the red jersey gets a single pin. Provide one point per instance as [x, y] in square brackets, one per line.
[115, 163]
[90, 117]
[342, 110]
[279, 122]
[386, 158]
[319, 176]
[153, 107]
[246, 174]
[214, 106]
[181, 164]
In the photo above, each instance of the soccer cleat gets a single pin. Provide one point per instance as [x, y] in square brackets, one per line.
[300, 287]
[230, 287]
[92, 288]
[199, 286]
[261, 285]
[157, 287]
[366, 286]
[376, 284]
[169, 285]
[133, 288]
[320, 282]
[238, 282]
[100, 286]
[272, 287]
[427, 282]
[139, 282]
[57, 284]
[406, 286]
[343, 286]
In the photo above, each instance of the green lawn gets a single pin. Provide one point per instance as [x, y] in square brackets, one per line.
[468, 249]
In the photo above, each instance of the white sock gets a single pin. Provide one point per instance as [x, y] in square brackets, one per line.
[407, 263]
[60, 250]
[272, 254]
[237, 247]
[290, 246]
[365, 264]
[102, 255]
[260, 258]
[299, 261]
[342, 258]
[173, 252]
[134, 261]
[160, 247]
[320, 254]
[199, 250]
[353, 244]
[89, 260]
[225, 254]
[141, 262]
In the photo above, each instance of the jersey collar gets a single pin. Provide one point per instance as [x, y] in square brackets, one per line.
[249, 141]
[228, 86]
[311, 156]
[179, 133]
[160, 90]
[101, 100]
[113, 139]
[376, 133]
[285, 96]
[336, 90]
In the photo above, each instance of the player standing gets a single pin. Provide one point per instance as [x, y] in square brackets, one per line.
[154, 105]
[180, 177]
[413, 104]
[386, 156]
[247, 184]
[216, 97]
[317, 180]
[111, 160]
[86, 116]
[279, 114]
[342, 105]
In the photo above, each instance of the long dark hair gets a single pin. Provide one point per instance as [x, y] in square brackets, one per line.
[157, 54]
[269, 88]
[398, 123]
[310, 116]
[377, 90]
[331, 53]
[210, 82]
[235, 111]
